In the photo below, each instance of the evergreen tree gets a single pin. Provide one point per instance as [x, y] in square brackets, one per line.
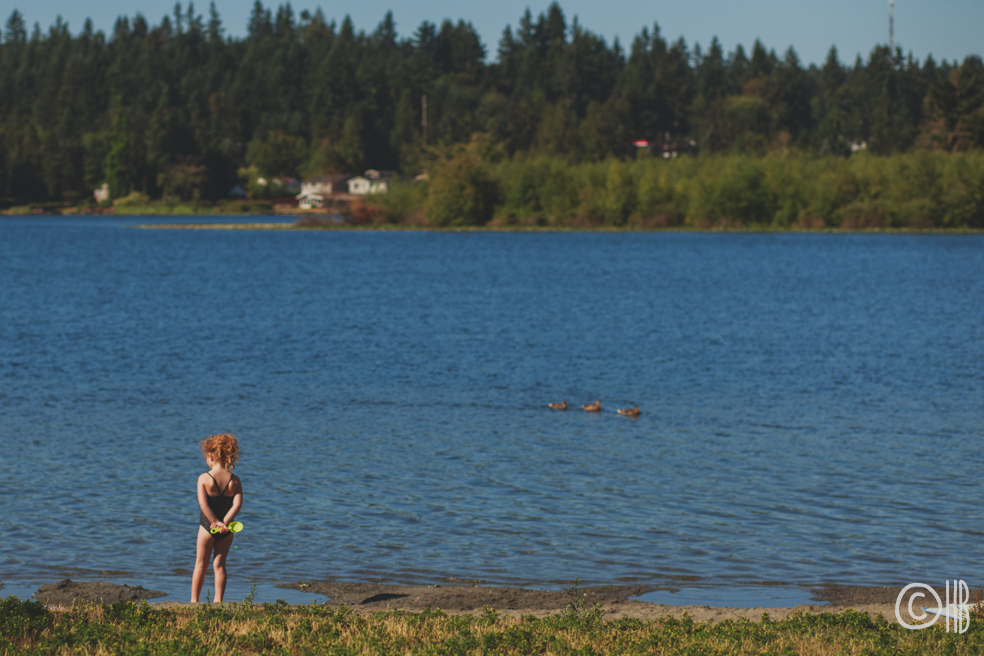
[711, 86]
[15, 33]
[955, 108]
[831, 108]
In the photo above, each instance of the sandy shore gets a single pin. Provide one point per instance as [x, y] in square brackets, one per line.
[615, 600]
[65, 592]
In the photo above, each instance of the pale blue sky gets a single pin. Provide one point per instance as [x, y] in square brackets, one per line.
[949, 29]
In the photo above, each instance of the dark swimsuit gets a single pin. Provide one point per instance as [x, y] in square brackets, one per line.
[219, 505]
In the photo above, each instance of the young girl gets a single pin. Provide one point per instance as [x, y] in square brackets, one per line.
[220, 497]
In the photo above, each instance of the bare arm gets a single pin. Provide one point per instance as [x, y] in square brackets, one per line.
[203, 502]
[237, 504]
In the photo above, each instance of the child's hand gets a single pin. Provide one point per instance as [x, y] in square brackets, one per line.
[219, 525]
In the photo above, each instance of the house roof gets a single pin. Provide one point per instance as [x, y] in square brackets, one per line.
[374, 174]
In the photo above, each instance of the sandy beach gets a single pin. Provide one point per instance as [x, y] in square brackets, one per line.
[615, 600]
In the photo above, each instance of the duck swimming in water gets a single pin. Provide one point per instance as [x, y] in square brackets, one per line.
[629, 412]
[592, 407]
[559, 406]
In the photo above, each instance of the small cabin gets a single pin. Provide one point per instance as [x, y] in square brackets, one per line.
[373, 182]
[314, 191]
[102, 193]
[310, 201]
[326, 184]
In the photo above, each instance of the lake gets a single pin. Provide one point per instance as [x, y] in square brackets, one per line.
[812, 404]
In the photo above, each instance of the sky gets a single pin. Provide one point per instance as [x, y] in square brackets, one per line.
[947, 29]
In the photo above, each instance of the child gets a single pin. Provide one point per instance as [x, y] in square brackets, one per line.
[220, 497]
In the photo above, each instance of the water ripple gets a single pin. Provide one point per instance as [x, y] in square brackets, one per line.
[810, 402]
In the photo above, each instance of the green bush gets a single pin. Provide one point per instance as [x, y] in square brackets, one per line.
[402, 202]
[23, 619]
[462, 192]
[133, 199]
[537, 191]
[619, 197]
[732, 191]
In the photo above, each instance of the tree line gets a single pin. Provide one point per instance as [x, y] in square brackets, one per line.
[180, 110]
[478, 186]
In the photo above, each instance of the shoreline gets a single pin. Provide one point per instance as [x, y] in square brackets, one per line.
[391, 620]
[614, 601]
[407, 227]
[557, 229]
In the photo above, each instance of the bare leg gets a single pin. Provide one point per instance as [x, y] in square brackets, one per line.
[202, 556]
[218, 565]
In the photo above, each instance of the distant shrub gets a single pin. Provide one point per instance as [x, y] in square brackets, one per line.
[537, 191]
[731, 191]
[619, 198]
[462, 192]
[401, 203]
[133, 199]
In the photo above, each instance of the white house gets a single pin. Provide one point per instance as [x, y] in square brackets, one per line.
[102, 193]
[326, 184]
[310, 201]
[314, 191]
[374, 182]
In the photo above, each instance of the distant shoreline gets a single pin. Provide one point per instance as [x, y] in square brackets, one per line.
[407, 227]
[613, 229]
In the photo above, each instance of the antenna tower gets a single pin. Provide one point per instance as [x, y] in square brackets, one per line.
[891, 24]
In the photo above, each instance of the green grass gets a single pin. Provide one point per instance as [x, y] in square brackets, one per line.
[146, 207]
[245, 628]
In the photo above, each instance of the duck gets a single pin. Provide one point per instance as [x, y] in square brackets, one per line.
[592, 407]
[629, 412]
[559, 406]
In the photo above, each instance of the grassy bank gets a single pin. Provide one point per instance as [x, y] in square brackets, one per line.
[142, 205]
[128, 628]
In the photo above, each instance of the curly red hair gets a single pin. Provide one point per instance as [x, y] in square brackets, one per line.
[222, 448]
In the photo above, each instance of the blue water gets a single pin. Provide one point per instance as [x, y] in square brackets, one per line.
[812, 404]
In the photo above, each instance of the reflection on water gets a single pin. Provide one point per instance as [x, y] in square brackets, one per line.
[802, 397]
